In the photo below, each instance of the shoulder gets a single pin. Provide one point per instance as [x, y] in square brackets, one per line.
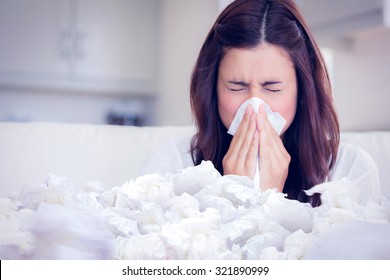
[353, 155]
[356, 165]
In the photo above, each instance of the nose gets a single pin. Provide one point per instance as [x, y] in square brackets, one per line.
[257, 92]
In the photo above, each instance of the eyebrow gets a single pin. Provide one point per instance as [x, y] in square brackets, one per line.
[239, 83]
[270, 83]
[242, 83]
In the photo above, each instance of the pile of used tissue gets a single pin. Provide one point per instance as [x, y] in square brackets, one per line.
[193, 214]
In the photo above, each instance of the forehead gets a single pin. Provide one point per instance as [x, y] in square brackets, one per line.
[263, 60]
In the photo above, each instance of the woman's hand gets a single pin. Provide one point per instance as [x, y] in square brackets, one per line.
[241, 158]
[274, 159]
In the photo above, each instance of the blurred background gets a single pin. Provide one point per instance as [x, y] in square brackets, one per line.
[129, 62]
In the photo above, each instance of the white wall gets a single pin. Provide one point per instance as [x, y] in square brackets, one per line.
[43, 106]
[362, 82]
[185, 25]
[361, 76]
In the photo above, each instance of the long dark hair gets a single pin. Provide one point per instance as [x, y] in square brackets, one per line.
[312, 139]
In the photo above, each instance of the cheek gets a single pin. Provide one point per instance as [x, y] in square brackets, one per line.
[287, 110]
[227, 108]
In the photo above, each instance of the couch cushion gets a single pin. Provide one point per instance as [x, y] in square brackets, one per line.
[80, 152]
[113, 154]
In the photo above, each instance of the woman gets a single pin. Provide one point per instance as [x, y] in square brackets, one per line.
[264, 49]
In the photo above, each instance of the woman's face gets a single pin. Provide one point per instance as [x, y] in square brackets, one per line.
[265, 72]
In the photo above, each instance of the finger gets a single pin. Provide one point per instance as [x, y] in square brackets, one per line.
[242, 153]
[248, 144]
[274, 141]
[267, 123]
[252, 154]
[242, 139]
[260, 124]
[274, 159]
[243, 125]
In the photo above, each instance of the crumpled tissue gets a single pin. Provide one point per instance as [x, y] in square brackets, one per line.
[276, 120]
[181, 216]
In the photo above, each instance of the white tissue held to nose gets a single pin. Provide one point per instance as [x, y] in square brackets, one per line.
[276, 120]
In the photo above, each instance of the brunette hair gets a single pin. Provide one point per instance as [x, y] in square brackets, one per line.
[312, 139]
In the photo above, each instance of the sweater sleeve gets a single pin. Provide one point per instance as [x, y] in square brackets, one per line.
[169, 156]
[357, 166]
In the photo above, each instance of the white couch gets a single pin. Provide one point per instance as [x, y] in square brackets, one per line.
[29, 152]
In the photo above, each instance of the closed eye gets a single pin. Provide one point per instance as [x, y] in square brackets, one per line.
[236, 89]
[272, 86]
[238, 86]
[273, 90]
